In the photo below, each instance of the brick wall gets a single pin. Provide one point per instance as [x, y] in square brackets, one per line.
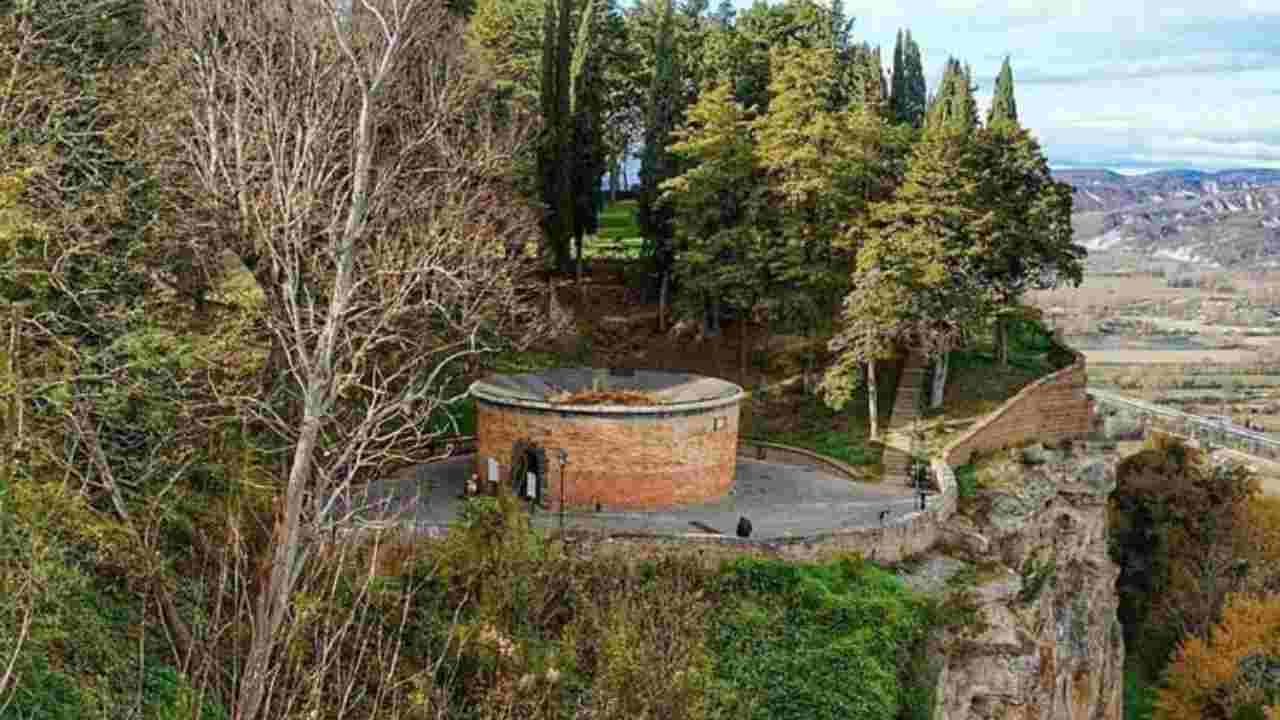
[621, 461]
[1055, 407]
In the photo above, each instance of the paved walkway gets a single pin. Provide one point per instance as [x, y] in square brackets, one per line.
[779, 500]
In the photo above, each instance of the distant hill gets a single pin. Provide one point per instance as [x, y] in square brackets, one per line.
[1224, 219]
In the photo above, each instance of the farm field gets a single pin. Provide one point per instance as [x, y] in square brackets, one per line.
[1207, 344]
[1171, 357]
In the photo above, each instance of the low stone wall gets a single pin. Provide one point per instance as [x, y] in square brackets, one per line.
[896, 540]
[1055, 407]
[788, 455]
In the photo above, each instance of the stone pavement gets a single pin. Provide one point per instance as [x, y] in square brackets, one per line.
[779, 500]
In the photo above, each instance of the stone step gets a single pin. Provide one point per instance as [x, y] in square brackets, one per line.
[910, 392]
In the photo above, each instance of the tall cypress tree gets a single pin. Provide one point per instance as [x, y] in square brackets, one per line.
[953, 107]
[1004, 109]
[896, 85]
[588, 160]
[915, 88]
[907, 99]
[555, 164]
[656, 163]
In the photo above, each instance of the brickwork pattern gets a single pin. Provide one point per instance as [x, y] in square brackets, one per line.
[636, 461]
[1056, 407]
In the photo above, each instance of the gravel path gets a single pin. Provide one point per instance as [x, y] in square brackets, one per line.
[779, 500]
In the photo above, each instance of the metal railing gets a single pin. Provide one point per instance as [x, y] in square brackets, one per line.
[1195, 426]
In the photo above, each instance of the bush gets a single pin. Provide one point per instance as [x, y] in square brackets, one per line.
[966, 481]
[813, 642]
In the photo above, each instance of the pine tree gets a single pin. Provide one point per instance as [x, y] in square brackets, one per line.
[897, 77]
[1025, 238]
[1003, 107]
[726, 253]
[822, 170]
[911, 287]
[841, 26]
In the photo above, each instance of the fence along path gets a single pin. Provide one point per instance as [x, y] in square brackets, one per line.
[1193, 426]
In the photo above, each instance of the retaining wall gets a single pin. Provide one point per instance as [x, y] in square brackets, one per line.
[1056, 407]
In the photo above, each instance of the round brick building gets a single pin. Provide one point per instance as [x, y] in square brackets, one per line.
[634, 439]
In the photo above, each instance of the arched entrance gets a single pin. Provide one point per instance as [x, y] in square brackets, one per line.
[529, 471]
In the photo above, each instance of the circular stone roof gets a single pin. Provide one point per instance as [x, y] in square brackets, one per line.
[675, 392]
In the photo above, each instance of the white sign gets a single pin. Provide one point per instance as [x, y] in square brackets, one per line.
[531, 485]
[493, 470]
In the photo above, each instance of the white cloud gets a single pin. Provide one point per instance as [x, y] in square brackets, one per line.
[1245, 149]
[1205, 162]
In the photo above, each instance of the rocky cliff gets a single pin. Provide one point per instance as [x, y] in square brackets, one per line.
[1028, 589]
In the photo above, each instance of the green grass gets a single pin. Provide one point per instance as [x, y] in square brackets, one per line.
[806, 422]
[618, 221]
[618, 234]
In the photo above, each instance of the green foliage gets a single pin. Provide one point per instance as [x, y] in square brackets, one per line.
[721, 252]
[1139, 695]
[908, 97]
[665, 109]
[780, 622]
[953, 107]
[1036, 575]
[1178, 527]
[1004, 108]
[907, 290]
[967, 481]
[89, 652]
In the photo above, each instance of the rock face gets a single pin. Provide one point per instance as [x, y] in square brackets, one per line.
[1041, 639]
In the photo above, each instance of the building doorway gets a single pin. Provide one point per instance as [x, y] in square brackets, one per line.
[528, 471]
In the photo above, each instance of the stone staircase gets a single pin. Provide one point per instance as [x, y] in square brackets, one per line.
[910, 395]
[907, 402]
[896, 459]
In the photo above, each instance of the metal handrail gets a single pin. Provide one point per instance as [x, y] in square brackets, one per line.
[1216, 425]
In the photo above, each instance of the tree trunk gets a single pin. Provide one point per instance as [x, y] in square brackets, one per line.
[713, 316]
[742, 350]
[1002, 341]
[939, 380]
[273, 599]
[662, 302]
[582, 290]
[873, 404]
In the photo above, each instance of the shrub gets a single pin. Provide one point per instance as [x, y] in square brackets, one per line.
[813, 642]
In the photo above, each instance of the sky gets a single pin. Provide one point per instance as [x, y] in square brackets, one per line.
[1131, 85]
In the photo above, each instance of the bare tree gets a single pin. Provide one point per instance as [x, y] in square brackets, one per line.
[356, 164]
